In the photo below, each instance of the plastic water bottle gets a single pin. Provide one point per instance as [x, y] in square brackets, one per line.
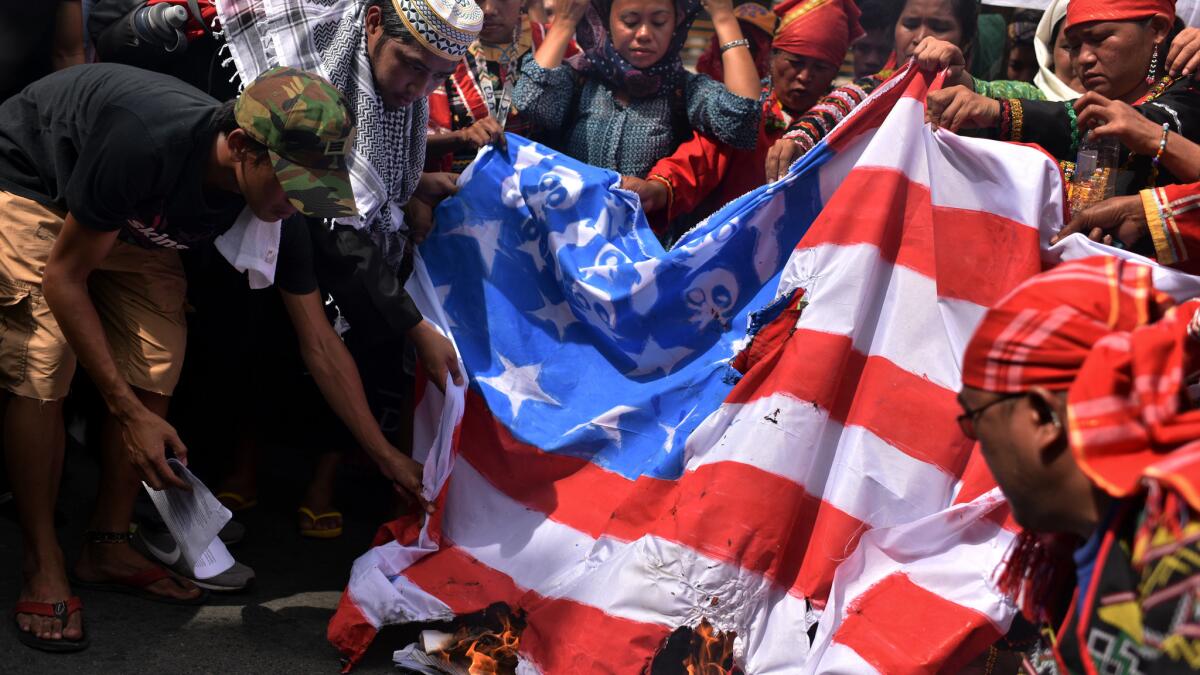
[1095, 172]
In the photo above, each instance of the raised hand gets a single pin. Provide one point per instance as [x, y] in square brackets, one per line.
[936, 55]
[1106, 117]
[1184, 57]
[958, 107]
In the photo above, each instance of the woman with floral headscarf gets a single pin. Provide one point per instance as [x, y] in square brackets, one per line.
[626, 101]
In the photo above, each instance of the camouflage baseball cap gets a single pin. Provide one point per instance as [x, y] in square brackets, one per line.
[308, 129]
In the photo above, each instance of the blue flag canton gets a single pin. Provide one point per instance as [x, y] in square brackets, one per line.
[581, 332]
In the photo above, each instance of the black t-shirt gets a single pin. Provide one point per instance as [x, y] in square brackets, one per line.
[294, 271]
[347, 265]
[120, 148]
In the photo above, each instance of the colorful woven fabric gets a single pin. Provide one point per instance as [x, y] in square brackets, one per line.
[1174, 224]
[1129, 405]
[814, 125]
[461, 101]
[819, 29]
[1042, 332]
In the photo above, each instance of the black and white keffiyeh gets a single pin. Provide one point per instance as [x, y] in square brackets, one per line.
[328, 37]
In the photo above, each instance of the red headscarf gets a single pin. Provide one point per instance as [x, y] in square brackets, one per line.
[1083, 11]
[1123, 351]
[1041, 333]
[819, 29]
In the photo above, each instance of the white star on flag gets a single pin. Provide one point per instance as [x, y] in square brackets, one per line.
[518, 384]
[486, 234]
[607, 422]
[655, 356]
[558, 313]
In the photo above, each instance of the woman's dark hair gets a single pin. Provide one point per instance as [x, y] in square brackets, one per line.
[967, 13]
[224, 122]
[393, 26]
[879, 14]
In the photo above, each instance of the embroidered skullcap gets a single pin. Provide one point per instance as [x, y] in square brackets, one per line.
[1041, 333]
[445, 27]
[819, 29]
[757, 15]
[1083, 11]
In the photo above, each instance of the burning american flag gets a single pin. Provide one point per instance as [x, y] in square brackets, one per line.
[627, 460]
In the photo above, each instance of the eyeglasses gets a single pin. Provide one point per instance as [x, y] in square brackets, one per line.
[966, 421]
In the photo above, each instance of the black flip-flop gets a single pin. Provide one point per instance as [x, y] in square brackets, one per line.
[56, 610]
[136, 585]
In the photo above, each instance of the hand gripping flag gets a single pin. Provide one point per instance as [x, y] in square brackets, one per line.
[613, 470]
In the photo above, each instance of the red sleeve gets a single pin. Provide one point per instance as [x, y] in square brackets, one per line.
[693, 172]
[1173, 218]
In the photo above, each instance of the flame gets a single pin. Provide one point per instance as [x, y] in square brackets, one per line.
[488, 652]
[711, 652]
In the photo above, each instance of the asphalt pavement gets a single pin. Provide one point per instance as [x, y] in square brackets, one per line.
[276, 627]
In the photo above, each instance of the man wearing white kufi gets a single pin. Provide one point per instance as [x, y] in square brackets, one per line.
[386, 56]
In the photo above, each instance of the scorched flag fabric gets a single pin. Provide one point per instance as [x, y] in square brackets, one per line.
[755, 427]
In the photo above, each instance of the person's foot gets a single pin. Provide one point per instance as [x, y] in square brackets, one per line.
[318, 517]
[104, 562]
[46, 581]
[238, 493]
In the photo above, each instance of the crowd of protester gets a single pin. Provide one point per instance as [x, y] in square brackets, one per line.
[143, 143]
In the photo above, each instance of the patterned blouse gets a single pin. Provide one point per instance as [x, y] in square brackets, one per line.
[630, 138]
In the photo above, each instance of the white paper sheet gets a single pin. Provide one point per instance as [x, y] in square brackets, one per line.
[194, 519]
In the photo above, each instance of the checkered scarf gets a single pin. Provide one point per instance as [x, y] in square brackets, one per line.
[327, 36]
[1123, 350]
[1041, 333]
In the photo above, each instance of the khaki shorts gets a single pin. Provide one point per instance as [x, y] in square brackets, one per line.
[139, 294]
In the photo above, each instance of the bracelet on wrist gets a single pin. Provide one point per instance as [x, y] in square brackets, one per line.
[1162, 143]
[1162, 147]
[734, 44]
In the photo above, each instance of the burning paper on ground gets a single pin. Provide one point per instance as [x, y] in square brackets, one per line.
[485, 644]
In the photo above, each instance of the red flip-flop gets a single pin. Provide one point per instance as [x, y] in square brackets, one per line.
[136, 584]
[55, 610]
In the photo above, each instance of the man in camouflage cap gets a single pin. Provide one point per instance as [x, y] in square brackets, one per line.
[106, 172]
[308, 132]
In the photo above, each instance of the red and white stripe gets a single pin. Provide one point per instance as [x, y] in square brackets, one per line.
[832, 484]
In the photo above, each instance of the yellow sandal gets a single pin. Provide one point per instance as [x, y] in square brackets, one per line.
[236, 502]
[315, 519]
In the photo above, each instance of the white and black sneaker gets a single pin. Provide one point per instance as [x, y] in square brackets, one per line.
[159, 545]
